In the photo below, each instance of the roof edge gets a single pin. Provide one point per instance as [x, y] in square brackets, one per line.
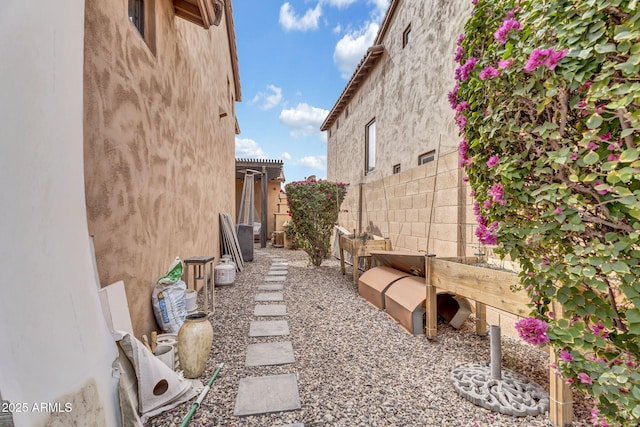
[363, 68]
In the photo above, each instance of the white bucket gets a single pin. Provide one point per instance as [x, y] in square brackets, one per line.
[191, 297]
[165, 354]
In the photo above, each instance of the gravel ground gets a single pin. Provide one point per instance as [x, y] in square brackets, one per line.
[355, 365]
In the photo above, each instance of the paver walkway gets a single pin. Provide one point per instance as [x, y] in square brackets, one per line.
[269, 393]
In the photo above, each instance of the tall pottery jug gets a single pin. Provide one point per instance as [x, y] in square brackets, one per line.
[194, 344]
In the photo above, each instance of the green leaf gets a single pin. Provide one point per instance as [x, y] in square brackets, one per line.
[591, 158]
[594, 121]
[605, 48]
[629, 155]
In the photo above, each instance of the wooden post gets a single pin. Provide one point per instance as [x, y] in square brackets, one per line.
[263, 216]
[560, 395]
[481, 318]
[431, 301]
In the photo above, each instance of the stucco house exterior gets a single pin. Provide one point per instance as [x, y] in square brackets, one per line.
[160, 85]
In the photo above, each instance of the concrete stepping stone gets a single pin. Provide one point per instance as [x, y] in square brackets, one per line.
[271, 353]
[268, 328]
[277, 273]
[263, 395]
[269, 296]
[275, 278]
[279, 267]
[271, 287]
[291, 425]
[270, 310]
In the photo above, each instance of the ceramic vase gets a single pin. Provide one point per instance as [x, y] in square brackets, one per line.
[194, 344]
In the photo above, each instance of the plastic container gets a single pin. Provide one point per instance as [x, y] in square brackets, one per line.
[224, 273]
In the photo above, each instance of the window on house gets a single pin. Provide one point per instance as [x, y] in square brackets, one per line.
[136, 15]
[406, 36]
[427, 157]
[142, 16]
[396, 168]
[370, 146]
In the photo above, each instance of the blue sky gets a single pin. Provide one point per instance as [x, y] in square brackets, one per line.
[295, 59]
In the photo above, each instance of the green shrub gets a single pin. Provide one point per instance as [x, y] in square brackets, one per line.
[314, 207]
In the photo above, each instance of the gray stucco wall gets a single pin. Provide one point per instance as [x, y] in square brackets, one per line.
[406, 93]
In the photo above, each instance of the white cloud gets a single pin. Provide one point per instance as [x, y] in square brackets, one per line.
[290, 21]
[304, 119]
[351, 48]
[285, 156]
[341, 3]
[314, 162]
[381, 5]
[249, 149]
[269, 99]
[337, 29]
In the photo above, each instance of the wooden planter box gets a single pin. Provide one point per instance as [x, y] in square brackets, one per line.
[358, 248]
[492, 287]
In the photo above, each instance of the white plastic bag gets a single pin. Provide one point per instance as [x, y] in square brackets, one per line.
[169, 306]
[169, 299]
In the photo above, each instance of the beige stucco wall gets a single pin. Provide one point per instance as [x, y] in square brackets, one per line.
[159, 161]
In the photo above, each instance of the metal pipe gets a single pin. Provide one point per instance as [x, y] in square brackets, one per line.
[203, 393]
[496, 353]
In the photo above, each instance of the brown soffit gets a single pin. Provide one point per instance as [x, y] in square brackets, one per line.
[363, 69]
[199, 12]
[206, 13]
[231, 36]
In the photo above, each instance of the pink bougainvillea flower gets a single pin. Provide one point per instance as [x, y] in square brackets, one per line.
[569, 381]
[496, 192]
[533, 330]
[460, 39]
[507, 26]
[453, 97]
[558, 211]
[614, 146]
[592, 146]
[582, 104]
[493, 161]
[605, 136]
[487, 204]
[463, 72]
[487, 235]
[459, 53]
[547, 57]
[584, 378]
[489, 73]
[505, 63]
[565, 356]
[613, 157]
[574, 155]
[600, 330]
